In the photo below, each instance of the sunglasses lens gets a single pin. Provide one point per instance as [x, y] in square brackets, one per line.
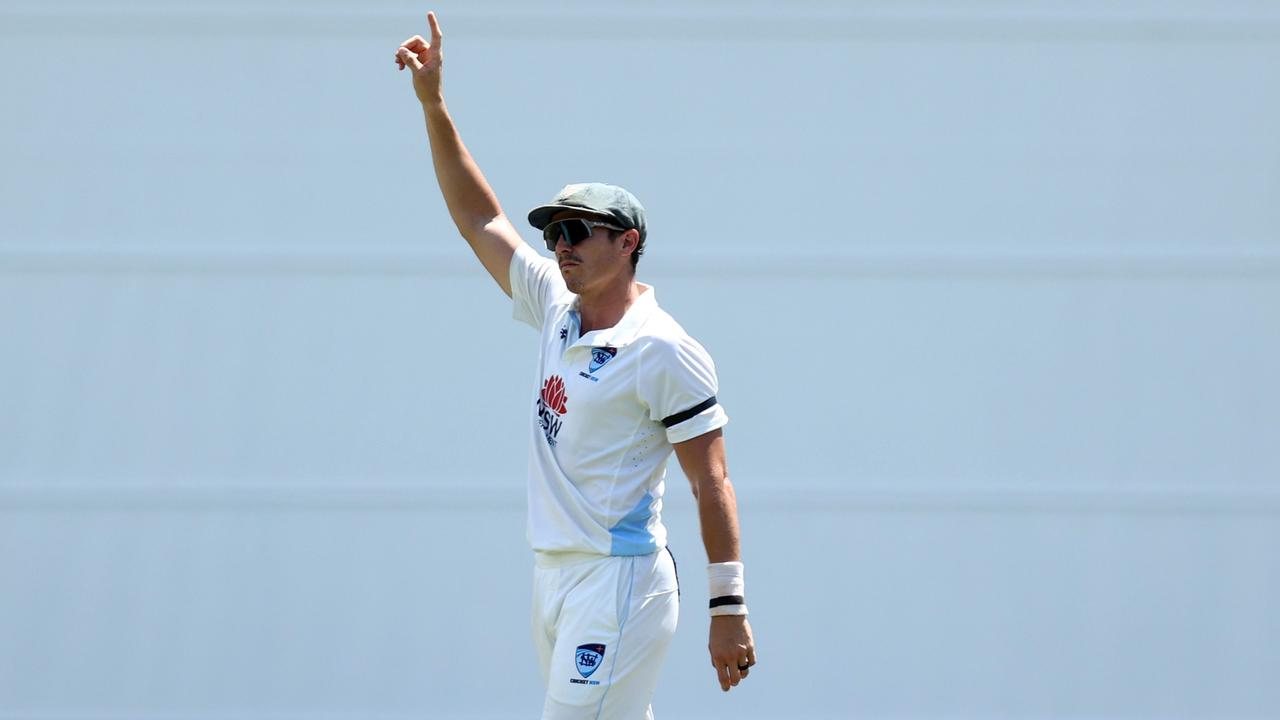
[574, 231]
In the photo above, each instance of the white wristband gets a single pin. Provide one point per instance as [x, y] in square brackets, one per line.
[727, 593]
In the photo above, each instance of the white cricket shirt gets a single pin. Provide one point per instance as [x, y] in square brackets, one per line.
[605, 410]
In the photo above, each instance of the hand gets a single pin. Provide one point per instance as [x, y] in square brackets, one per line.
[733, 652]
[425, 60]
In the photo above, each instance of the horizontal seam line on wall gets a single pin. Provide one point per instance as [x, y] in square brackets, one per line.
[408, 498]
[24, 261]
[672, 26]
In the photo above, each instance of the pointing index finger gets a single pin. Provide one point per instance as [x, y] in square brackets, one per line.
[436, 35]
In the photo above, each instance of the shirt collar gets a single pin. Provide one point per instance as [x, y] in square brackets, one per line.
[627, 328]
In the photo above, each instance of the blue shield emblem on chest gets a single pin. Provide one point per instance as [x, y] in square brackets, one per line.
[589, 658]
[600, 356]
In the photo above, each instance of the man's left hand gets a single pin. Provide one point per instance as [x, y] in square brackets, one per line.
[733, 652]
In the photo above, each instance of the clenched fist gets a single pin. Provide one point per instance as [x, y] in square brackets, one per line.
[425, 61]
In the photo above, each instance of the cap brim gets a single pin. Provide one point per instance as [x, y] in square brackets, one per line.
[540, 216]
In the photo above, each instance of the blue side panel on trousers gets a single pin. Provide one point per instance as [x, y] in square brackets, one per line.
[631, 535]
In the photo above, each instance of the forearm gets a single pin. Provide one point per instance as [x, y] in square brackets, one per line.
[718, 515]
[472, 203]
[703, 462]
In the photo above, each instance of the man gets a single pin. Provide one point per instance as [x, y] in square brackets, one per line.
[620, 385]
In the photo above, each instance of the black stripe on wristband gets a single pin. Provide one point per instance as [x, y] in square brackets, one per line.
[727, 600]
[685, 415]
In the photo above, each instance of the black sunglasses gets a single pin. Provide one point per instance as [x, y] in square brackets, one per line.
[573, 230]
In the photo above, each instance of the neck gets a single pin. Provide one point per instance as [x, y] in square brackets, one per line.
[604, 307]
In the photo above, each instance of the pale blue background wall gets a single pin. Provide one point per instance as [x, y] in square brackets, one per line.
[993, 287]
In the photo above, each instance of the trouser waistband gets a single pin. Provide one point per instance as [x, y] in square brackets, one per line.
[552, 559]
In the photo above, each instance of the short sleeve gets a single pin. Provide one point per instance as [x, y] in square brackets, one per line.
[535, 285]
[678, 384]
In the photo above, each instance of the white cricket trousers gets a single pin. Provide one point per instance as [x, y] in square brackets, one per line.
[601, 626]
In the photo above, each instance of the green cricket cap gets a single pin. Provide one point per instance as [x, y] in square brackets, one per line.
[607, 201]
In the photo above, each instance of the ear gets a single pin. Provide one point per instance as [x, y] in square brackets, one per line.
[629, 240]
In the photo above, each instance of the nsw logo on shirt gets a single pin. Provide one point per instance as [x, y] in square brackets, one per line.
[552, 404]
[600, 356]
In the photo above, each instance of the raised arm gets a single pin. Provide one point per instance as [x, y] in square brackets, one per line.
[472, 203]
[731, 645]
